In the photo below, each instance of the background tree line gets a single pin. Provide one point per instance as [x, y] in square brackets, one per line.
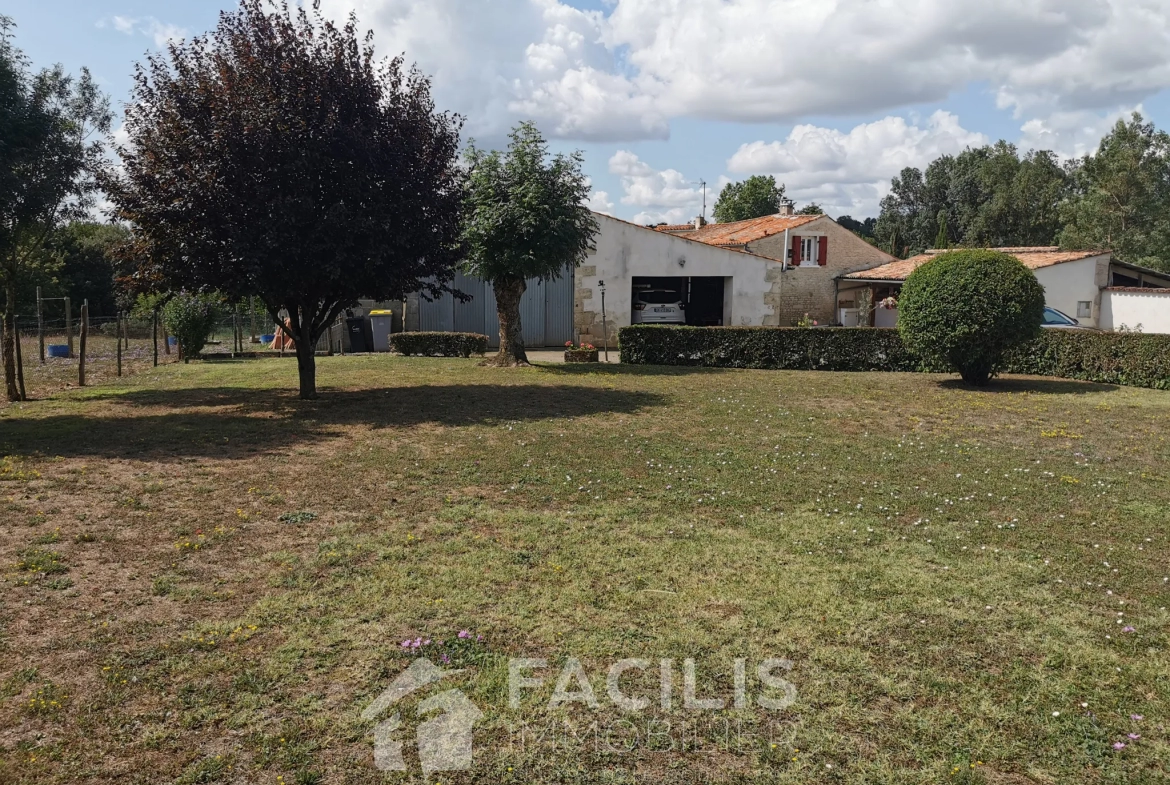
[1117, 198]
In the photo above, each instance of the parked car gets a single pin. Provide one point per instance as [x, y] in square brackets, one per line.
[1058, 320]
[659, 306]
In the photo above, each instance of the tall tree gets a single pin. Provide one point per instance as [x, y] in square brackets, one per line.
[49, 149]
[276, 157]
[525, 218]
[86, 255]
[990, 196]
[812, 208]
[1121, 196]
[754, 197]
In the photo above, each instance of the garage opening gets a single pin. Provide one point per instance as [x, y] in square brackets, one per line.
[697, 300]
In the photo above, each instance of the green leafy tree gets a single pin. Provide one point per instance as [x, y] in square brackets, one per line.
[864, 229]
[191, 318]
[991, 195]
[276, 157]
[966, 309]
[524, 218]
[754, 197]
[942, 239]
[1121, 197]
[50, 124]
[812, 208]
[86, 255]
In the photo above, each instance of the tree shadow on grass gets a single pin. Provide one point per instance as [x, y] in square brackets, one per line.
[234, 422]
[1031, 384]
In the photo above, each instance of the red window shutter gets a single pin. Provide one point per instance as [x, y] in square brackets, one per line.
[823, 252]
[795, 251]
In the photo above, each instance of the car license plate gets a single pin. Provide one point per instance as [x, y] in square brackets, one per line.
[661, 310]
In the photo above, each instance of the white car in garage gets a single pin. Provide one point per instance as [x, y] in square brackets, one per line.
[659, 306]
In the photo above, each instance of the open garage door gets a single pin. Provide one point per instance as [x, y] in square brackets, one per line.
[697, 300]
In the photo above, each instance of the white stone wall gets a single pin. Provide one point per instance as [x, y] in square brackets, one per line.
[1069, 283]
[1149, 309]
[625, 251]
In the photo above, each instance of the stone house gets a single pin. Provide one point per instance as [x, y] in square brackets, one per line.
[814, 250]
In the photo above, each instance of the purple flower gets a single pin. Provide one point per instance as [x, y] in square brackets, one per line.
[479, 637]
[1119, 745]
[1128, 629]
[416, 643]
[445, 659]
[1134, 736]
[1136, 717]
[406, 644]
[464, 634]
[427, 642]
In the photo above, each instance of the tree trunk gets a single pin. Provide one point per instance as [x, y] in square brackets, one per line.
[306, 360]
[508, 294]
[10, 342]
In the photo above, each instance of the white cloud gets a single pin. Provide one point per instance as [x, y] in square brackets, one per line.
[850, 172]
[665, 195]
[161, 33]
[1071, 134]
[625, 73]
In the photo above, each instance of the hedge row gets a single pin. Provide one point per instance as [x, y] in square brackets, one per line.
[439, 344]
[1113, 358]
[777, 348]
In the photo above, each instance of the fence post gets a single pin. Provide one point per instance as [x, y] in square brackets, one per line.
[252, 318]
[41, 324]
[118, 340]
[19, 360]
[69, 324]
[154, 327]
[84, 334]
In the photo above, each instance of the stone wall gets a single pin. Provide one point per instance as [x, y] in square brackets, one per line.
[812, 290]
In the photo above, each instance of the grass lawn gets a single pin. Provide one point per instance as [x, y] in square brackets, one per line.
[206, 580]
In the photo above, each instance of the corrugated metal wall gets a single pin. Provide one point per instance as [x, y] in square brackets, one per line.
[546, 311]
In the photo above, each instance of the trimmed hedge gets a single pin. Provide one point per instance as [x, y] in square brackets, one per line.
[439, 344]
[1131, 359]
[779, 348]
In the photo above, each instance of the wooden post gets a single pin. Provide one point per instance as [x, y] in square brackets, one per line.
[155, 336]
[119, 342]
[41, 324]
[84, 335]
[19, 361]
[69, 324]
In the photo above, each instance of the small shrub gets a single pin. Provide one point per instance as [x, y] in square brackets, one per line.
[967, 309]
[297, 517]
[433, 344]
[190, 318]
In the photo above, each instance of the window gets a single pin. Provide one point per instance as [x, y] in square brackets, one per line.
[808, 250]
[1084, 309]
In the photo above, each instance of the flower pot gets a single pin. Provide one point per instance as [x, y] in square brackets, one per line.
[580, 355]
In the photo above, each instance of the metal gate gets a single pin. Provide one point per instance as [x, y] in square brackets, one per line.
[546, 311]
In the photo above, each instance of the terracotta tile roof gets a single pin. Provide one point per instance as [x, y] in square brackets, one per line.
[674, 228]
[743, 232]
[1139, 289]
[1035, 258]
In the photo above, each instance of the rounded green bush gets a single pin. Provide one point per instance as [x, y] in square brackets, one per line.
[966, 309]
[191, 318]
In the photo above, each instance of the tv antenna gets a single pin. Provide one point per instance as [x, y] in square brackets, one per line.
[703, 183]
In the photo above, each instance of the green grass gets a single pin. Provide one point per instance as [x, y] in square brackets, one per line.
[952, 573]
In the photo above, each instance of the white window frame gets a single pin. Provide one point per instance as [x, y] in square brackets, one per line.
[813, 243]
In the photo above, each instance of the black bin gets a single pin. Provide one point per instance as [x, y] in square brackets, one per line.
[359, 341]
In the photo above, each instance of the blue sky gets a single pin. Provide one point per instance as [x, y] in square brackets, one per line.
[832, 97]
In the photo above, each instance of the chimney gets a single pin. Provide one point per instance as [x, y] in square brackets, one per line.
[700, 222]
[788, 207]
